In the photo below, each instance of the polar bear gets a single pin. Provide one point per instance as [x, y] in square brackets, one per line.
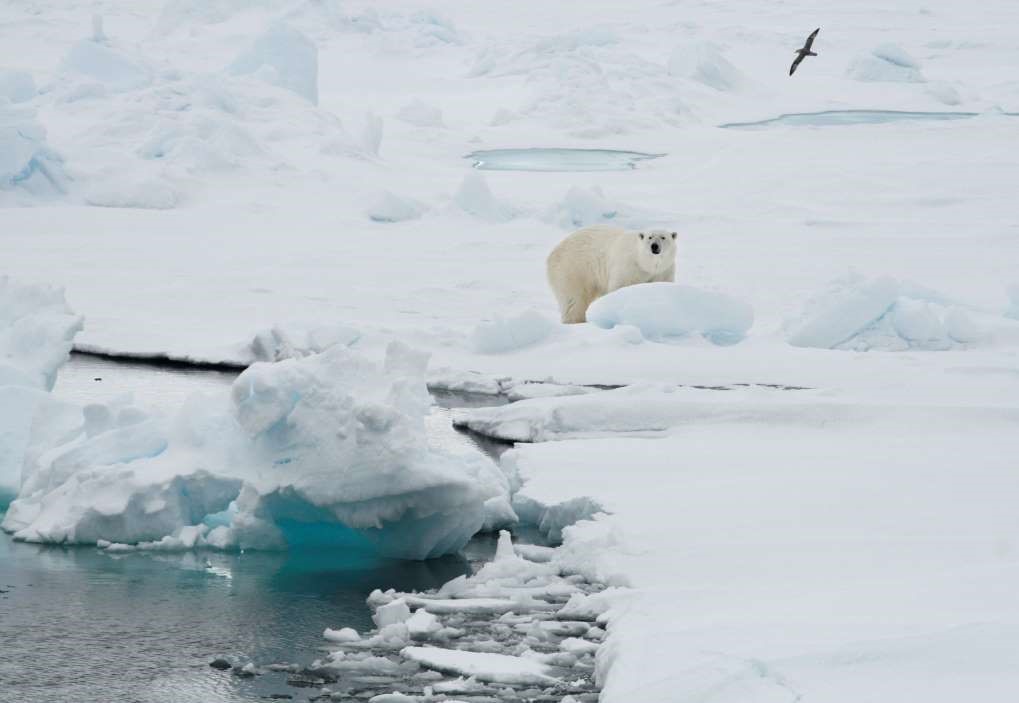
[597, 260]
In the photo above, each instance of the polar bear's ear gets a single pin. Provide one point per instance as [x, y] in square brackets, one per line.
[673, 235]
[640, 234]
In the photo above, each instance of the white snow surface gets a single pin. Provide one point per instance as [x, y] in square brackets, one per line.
[484, 666]
[847, 542]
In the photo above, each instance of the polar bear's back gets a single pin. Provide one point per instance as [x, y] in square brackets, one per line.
[580, 266]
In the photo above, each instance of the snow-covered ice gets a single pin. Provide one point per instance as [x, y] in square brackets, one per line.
[327, 450]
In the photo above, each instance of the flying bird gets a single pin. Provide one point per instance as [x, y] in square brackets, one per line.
[805, 51]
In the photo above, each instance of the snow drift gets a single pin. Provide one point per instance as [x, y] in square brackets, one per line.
[666, 311]
[329, 451]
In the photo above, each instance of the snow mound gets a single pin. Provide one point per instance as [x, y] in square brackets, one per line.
[883, 314]
[508, 334]
[668, 311]
[420, 114]
[100, 64]
[886, 63]
[328, 451]
[27, 163]
[16, 86]
[475, 198]
[389, 207]
[702, 61]
[284, 57]
[581, 207]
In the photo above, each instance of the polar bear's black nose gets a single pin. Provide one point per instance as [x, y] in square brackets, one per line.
[655, 248]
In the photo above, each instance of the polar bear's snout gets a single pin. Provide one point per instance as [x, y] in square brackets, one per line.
[655, 248]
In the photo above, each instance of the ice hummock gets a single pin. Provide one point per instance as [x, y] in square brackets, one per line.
[27, 163]
[284, 57]
[884, 314]
[664, 311]
[326, 451]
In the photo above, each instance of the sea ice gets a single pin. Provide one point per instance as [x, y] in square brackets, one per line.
[389, 207]
[667, 311]
[105, 66]
[474, 197]
[27, 163]
[420, 114]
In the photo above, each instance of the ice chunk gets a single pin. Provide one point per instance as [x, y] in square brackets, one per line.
[475, 198]
[391, 613]
[703, 62]
[886, 63]
[509, 334]
[861, 314]
[494, 668]
[664, 311]
[328, 451]
[389, 207]
[105, 66]
[422, 624]
[420, 114]
[37, 329]
[26, 161]
[294, 342]
[284, 57]
[16, 86]
[841, 312]
[344, 634]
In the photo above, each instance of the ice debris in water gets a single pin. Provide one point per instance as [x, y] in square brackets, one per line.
[502, 633]
[328, 451]
[669, 311]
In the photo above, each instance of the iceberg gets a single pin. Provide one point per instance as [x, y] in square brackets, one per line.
[325, 451]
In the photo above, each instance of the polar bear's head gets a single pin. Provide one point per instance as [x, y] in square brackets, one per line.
[656, 250]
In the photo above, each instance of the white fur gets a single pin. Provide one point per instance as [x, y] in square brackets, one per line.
[600, 259]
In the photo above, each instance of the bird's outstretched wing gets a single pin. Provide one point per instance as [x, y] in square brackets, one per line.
[796, 62]
[810, 39]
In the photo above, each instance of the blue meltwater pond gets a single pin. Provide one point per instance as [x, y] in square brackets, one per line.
[540, 159]
[80, 624]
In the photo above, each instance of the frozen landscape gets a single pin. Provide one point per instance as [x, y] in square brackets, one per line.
[789, 476]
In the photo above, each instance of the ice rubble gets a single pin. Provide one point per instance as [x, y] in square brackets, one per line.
[861, 314]
[284, 57]
[326, 450]
[37, 329]
[887, 63]
[516, 629]
[668, 311]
